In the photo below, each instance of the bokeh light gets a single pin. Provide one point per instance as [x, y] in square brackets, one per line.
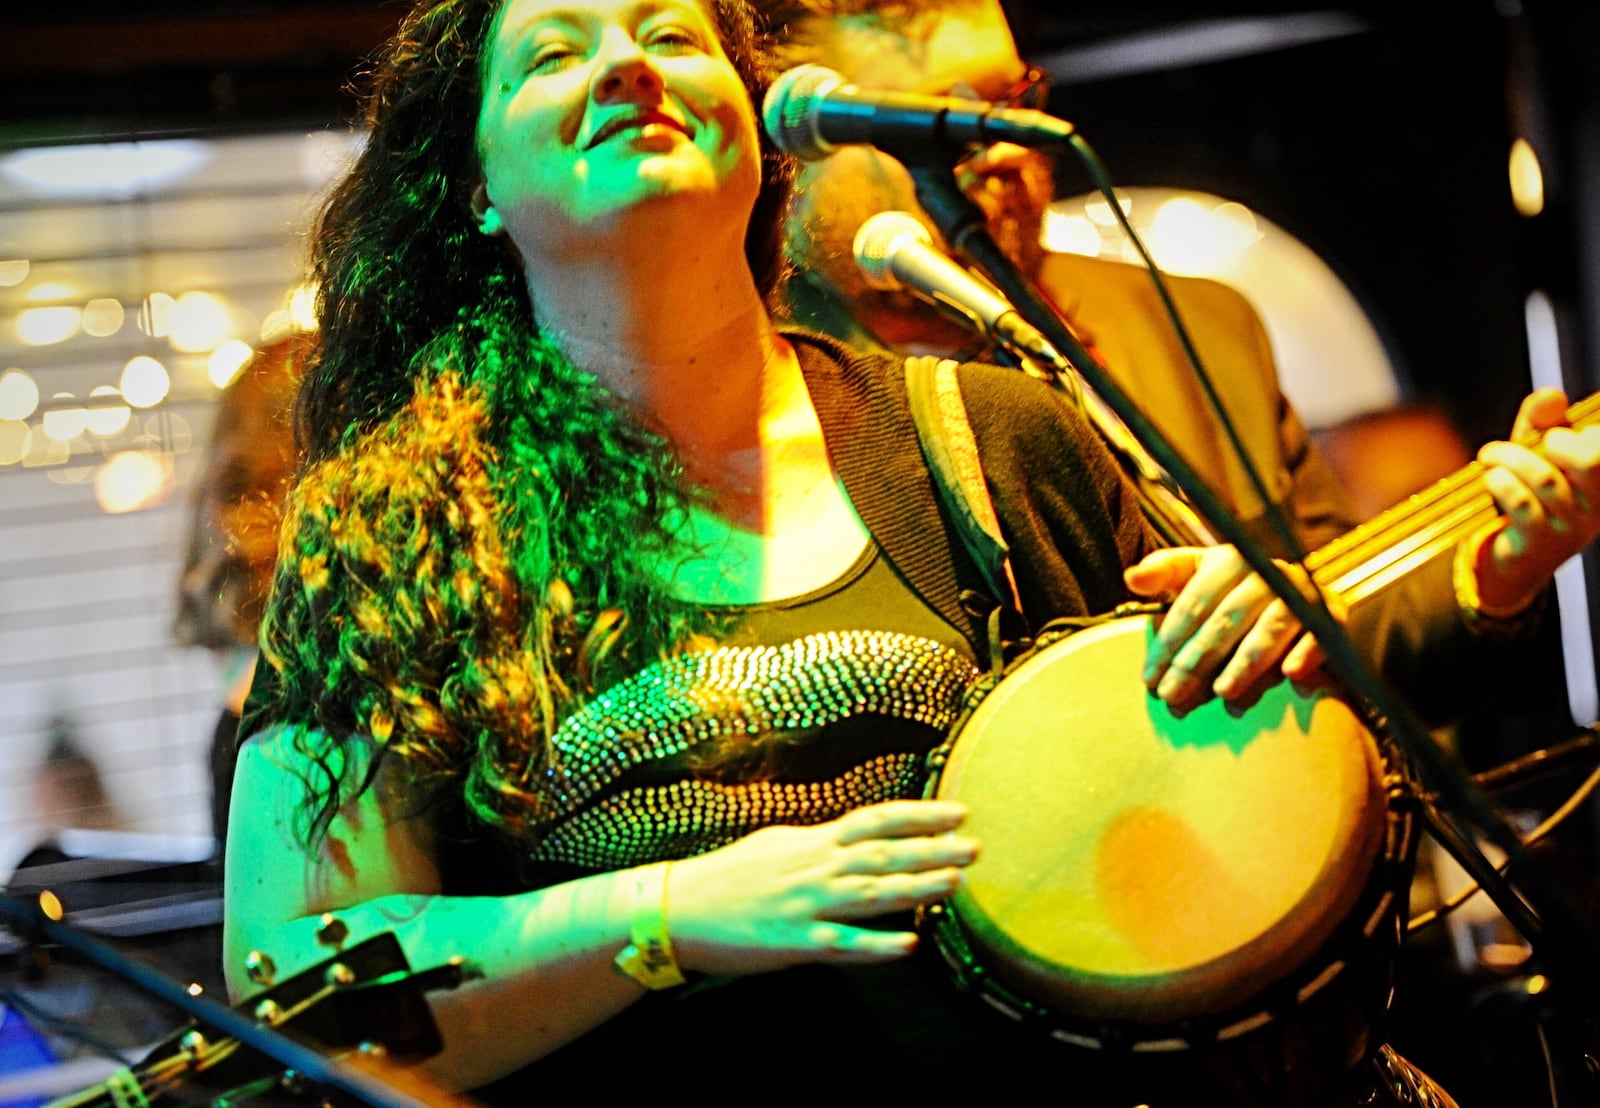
[103, 317]
[19, 395]
[1071, 234]
[132, 480]
[13, 441]
[13, 271]
[227, 360]
[1331, 360]
[42, 450]
[106, 418]
[105, 169]
[275, 326]
[145, 382]
[303, 307]
[48, 326]
[1527, 179]
[155, 315]
[200, 321]
[1098, 208]
[64, 421]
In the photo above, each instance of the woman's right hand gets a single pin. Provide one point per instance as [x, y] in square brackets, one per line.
[787, 895]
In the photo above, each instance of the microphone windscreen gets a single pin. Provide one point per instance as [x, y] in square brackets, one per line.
[788, 111]
[877, 242]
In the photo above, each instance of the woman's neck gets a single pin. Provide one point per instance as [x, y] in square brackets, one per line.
[683, 335]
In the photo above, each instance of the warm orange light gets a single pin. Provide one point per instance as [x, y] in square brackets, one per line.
[132, 480]
[1527, 179]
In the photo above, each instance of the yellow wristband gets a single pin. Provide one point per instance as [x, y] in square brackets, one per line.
[648, 959]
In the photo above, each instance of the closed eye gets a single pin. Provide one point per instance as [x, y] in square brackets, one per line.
[554, 57]
[672, 40]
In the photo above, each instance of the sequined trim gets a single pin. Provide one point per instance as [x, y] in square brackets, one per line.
[671, 707]
[689, 816]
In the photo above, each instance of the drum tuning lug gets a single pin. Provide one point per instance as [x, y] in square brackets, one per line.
[339, 975]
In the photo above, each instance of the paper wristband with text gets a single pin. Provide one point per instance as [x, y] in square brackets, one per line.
[648, 959]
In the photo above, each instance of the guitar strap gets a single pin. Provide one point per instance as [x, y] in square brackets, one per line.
[951, 451]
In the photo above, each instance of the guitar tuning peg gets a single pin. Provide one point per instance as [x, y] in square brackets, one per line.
[260, 968]
[332, 931]
[194, 1045]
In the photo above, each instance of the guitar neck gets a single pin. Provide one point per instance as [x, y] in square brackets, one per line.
[1365, 561]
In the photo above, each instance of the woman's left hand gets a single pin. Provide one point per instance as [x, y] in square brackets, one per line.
[1225, 632]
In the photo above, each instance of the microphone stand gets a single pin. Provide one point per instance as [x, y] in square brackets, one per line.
[1549, 919]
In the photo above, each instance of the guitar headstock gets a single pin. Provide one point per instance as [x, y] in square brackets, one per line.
[363, 1004]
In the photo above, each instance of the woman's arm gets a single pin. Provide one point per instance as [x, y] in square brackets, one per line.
[779, 897]
[376, 870]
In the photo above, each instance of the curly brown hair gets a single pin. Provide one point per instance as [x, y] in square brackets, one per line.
[470, 547]
[396, 255]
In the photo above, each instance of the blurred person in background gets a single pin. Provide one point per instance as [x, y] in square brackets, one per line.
[69, 790]
[233, 537]
[966, 48]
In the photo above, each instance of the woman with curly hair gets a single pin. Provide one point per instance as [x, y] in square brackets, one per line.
[612, 627]
[584, 571]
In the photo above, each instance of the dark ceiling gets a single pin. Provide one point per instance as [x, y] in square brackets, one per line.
[1383, 149]
[112, 69]
[90, 67]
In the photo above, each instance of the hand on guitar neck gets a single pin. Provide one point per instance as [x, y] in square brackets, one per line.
[1225, 633]
[1549, 497]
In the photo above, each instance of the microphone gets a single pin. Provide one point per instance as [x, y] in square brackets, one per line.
[811, 110]
[894, 251]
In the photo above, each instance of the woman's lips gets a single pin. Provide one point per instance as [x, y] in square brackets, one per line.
[635, 122]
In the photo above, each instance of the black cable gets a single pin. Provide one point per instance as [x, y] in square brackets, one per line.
[1274, 513]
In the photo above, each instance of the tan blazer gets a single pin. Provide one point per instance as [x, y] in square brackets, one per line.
[1116, 312]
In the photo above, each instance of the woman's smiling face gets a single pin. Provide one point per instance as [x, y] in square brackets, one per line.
[591, 110]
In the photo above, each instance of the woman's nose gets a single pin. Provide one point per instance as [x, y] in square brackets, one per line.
[625, 73]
